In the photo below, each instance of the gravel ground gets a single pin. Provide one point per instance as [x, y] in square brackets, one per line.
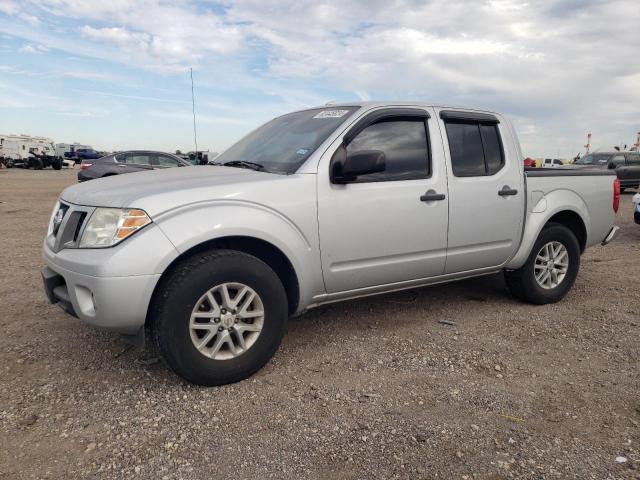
[373, 388]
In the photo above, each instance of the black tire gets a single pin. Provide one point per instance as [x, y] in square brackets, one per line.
[26, 163]
[522, 283]
[37, 164]
[175, 299]
[8, 163]
[56, 163]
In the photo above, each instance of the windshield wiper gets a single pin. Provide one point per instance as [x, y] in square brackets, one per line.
[244, 164]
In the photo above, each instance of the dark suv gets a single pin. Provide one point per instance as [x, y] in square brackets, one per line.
[626, 165]
[128, 162]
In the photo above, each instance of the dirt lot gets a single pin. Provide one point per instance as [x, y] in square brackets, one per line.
[373, 388]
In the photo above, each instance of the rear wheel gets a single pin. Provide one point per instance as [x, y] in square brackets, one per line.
[551, 269]
[56, 163]
[219, 317]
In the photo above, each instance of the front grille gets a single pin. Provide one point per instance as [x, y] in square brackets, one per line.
[60, 214]
[67, 232]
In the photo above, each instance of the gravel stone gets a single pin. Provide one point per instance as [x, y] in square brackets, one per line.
[373, 388]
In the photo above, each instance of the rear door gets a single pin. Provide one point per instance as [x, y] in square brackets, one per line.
[486, 195]
[390, 226]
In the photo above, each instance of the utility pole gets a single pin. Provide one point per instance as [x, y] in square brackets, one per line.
[193, 107]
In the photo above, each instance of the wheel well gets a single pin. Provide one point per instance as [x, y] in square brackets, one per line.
[265, 251]
[573, 222]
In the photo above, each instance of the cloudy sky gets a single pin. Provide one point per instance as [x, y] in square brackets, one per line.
[115, 73]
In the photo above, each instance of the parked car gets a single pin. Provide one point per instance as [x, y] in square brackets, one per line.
[551, 163]
[529, 163]
[636, 211]
[128, 162]
[80, 154]
[317, 206]
[625, 164]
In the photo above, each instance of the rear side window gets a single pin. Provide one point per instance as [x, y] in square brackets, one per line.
[476, 148]
[165, 161]
[135, 159]
[404, 143]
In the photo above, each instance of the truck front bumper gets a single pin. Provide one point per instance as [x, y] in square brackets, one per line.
[115, 303]
[109, 288]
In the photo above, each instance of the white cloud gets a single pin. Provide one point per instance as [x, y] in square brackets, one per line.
[559, 68]
[152, 33]
[34, 48]
[9, 7]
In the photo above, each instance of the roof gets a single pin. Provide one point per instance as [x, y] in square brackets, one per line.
[399, 103]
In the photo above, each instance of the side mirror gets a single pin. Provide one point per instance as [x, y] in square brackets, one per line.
[346, 167]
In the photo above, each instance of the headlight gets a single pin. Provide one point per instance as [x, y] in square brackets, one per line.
[109, 226]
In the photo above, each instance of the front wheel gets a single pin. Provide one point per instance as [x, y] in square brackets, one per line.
[219, 317]
[551, 269]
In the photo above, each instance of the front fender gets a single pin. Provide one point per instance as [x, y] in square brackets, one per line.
[543, 207]
[192, 225]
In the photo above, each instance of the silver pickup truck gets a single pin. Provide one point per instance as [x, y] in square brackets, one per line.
[317, 206]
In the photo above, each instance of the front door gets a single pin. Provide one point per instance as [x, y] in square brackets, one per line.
[389, 226]
[486, 190]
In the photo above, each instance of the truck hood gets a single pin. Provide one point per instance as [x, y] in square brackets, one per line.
[161, 190]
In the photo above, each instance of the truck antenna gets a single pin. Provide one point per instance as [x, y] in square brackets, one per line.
[193, 107]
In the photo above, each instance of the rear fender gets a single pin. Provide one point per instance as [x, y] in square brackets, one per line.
[545, 207]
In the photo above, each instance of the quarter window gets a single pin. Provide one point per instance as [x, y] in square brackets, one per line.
[404, 143]
[476, 148]
[165, 161]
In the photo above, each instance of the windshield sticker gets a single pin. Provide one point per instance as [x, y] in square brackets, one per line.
[303, 151]
[332, 114]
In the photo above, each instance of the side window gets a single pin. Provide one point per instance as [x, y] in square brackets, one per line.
[633, 159]
[493, 156]
[465, 144]
[136, 159]
[476, 148]
[405, 145]
[166, 161]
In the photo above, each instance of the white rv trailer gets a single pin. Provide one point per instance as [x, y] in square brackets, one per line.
[17, 147]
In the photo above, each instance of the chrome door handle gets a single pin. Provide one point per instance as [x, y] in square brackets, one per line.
[507, 190]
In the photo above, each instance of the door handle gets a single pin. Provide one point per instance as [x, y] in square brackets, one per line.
[507, 190]
[431, 196]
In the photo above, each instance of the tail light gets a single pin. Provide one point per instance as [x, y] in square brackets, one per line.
[85, 165]
[616, 194]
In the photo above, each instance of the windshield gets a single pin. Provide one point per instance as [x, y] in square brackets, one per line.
[283, 144]
[594, 159]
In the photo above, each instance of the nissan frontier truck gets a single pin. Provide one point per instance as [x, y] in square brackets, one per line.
[317, 206]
